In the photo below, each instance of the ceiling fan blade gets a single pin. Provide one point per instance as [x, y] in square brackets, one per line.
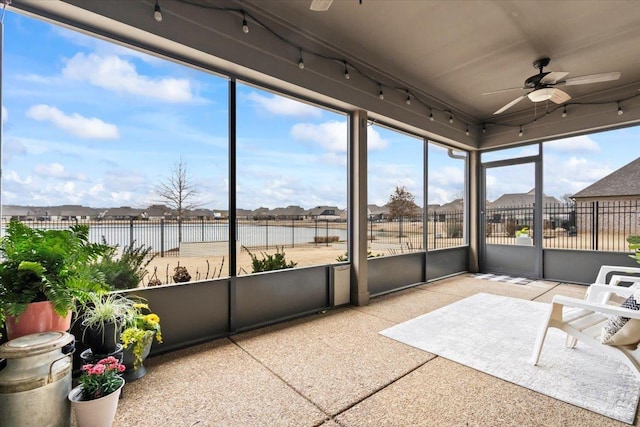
[559, 96]
[511, 104]
[320, 5]
[504, 90]
[554, 77]
[591, 78]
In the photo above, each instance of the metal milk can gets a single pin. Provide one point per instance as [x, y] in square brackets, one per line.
[36, 381]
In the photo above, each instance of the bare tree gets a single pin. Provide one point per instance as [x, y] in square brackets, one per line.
[402, 204]
[177, 192]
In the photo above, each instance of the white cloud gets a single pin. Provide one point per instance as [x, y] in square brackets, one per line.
[75, 124]
[5, 114]
[283, 106]
[57, 171]
[578, 144]
[12, 176]
[332, 136]
[113, 73]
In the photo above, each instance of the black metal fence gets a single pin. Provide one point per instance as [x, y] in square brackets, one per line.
[597, 225]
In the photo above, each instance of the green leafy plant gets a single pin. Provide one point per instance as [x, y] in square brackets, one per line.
[634, 245]
[47, 265]
[144, 327]
[101, 379]
[269, 262]
[102, 309]
[128, 270]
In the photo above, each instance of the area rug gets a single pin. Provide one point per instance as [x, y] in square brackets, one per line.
[496, 334]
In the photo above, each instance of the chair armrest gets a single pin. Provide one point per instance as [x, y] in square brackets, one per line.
[601, 293]
[597, 307]
[606, 269]
[616, 279]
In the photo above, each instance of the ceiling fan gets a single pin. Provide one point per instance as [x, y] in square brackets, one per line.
[543, 85]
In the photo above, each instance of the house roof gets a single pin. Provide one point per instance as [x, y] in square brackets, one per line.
[622, 183]
[521, 199]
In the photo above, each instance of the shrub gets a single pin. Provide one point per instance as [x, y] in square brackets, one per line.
[127, 271]
[269, 262]
[326, 239]
[454, 229]
[181, 275]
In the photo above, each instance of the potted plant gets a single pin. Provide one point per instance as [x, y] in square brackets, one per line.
[43, 274]
[137, 339]
[95, 399]
[102, 319]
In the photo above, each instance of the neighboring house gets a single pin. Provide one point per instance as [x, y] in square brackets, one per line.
[72, 213]
[612, 202]
[20, 213]
[519, 207]
[123, 213]
[378, 213]
[260, 213]
[243, 213]
[324, 213]
[290, 212]
[157, 212]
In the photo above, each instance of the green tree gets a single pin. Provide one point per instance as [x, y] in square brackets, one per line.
[402, 204]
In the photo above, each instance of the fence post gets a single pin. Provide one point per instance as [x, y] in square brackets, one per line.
[161, 237]
[131, 231]
[371, 228]
[326, 242]
[266, 228]
[293, 233]
[434, 230]
[202, 222]
[596, 224]
[315, 238]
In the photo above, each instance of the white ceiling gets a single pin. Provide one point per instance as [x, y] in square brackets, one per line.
[447, 53]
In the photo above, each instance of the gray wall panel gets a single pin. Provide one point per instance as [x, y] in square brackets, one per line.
[511, 259]
[445, 262]
[273, 296]
[580, 266]
[189, 313]
[395, 272]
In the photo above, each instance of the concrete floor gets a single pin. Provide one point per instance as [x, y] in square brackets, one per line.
[334, 369]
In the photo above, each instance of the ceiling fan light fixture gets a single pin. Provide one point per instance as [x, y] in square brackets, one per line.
[320, 5]
[540, 95]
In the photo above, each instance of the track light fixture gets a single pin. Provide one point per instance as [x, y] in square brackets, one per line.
[451, 118]
[245, 25]
[346, 71]
[157, 13]
[431, 115]
[380, 94]
[620, 112]
[300, 61]
[564, 112]
[520, 133]
[408, 98]
[466, 131]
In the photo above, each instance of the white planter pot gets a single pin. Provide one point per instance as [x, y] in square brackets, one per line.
[97, 412]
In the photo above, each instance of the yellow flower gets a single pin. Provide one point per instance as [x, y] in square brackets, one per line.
[152, 318]
[141, 306]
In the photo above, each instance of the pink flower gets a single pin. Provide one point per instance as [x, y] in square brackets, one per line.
[87, 367]
[97, 370]
[121, 368]
[108, 361]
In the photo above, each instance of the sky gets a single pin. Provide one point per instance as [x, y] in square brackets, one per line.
[91, 123]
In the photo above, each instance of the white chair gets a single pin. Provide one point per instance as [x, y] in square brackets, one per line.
[583, 319]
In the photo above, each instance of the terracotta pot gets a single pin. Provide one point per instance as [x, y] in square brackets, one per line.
[97, 412]
[38, 317]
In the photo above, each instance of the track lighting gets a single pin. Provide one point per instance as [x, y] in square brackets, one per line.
[408, 98]
[245, 25]
[451, 118]
[564, 112]
[520, 133]
[620, 112]
[431, 115]
[466, 132]
[380, 94]
[346, 71]
[300, 61]
[157, 13]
